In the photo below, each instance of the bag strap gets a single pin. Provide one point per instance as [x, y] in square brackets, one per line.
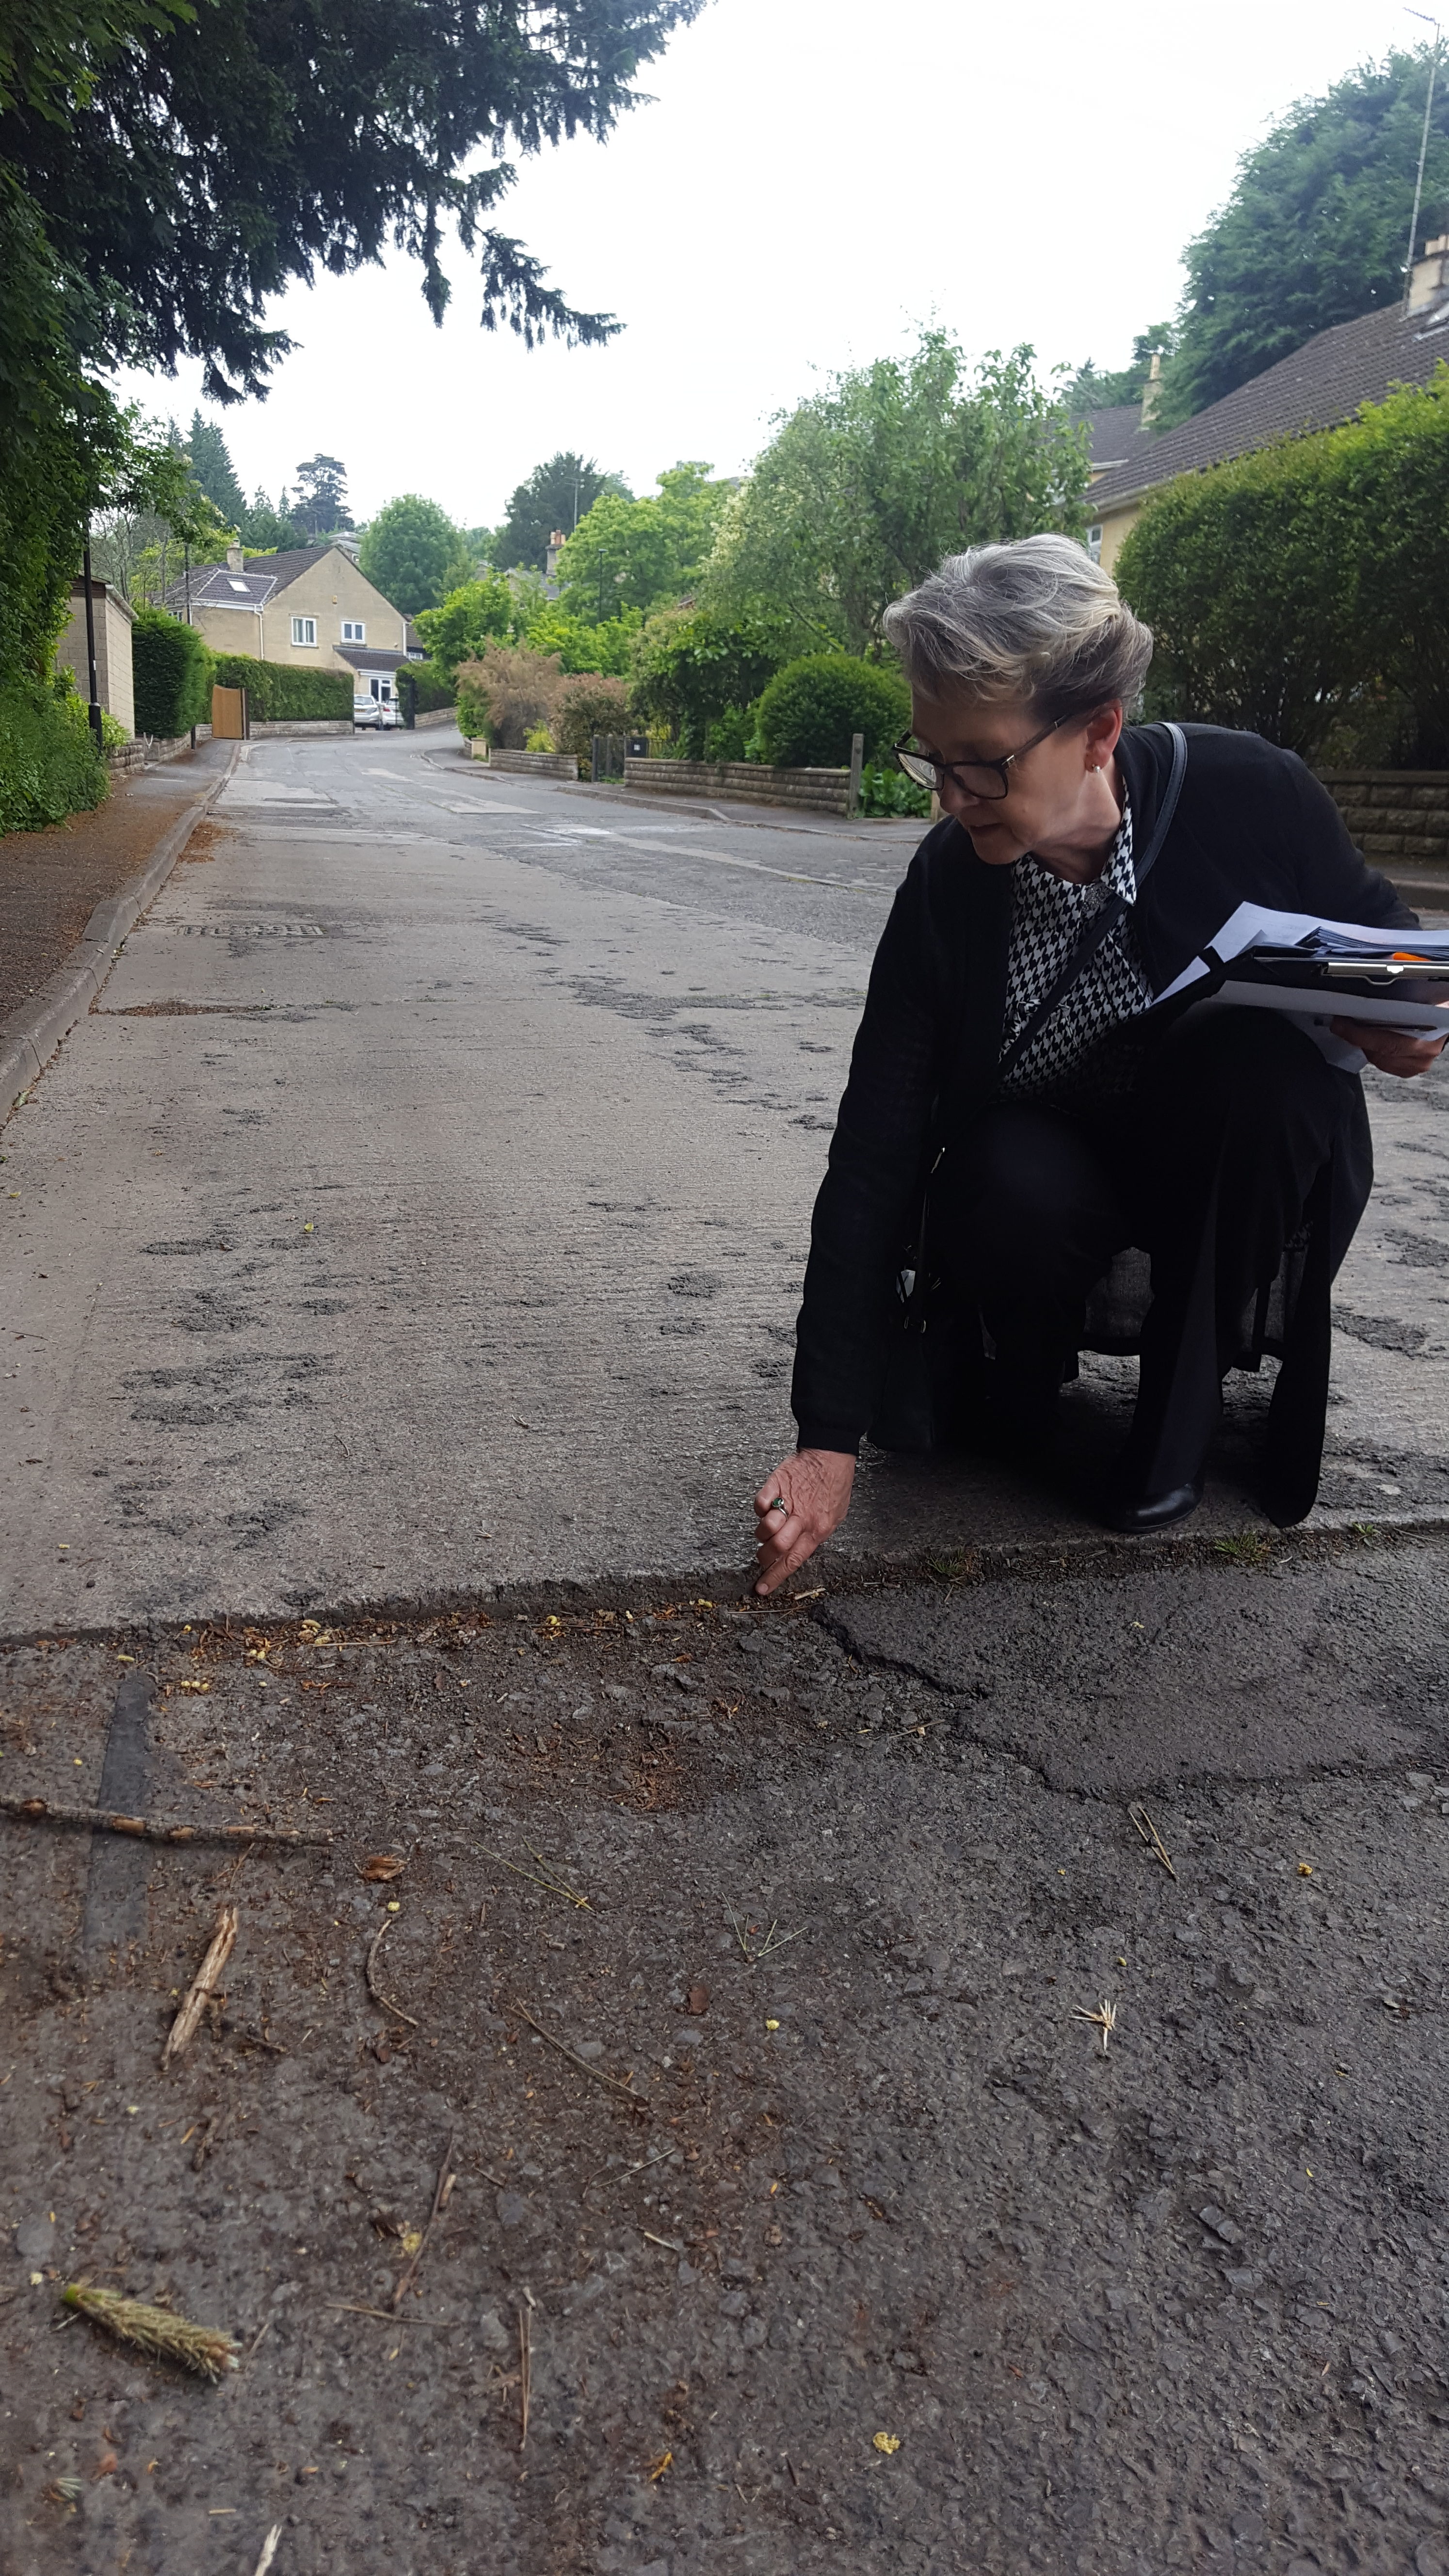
[1103, 923]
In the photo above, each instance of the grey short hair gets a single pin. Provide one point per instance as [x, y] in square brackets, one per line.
[1036, 620]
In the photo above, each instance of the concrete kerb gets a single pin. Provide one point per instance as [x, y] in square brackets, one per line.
[30, 1036]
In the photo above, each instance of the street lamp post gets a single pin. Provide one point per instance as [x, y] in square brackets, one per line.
[94, 710]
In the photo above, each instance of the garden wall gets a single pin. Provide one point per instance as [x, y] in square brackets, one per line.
[1394, 813]
[822, 791]
[529, 764]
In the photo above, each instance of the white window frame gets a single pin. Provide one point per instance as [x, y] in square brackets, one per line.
[1094, 543]
[354, 630]
[304, 632]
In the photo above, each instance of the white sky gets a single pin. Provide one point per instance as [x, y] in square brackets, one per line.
[811, 179]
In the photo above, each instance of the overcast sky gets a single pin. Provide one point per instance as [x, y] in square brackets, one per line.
[810, 180]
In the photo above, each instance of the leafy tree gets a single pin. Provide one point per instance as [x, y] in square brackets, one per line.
[556, 495]
[409, 551]
[214, 472]
[810, 711]
[1092, 389]
[468, 618]
[187, 163]
[1315, 230]
[633, 554]
[265, 527]
[580, 646]
[321, 498]
[693, 668]
[868, 485]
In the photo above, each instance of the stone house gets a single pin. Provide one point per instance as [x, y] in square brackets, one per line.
[1318, 386]
[311, 606]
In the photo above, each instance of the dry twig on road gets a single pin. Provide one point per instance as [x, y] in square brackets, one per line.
[153, 1829]
[611, 2083]
[1151, 1837]
[441, 2189]
[525, 2374]
[202, 1988]
[373, 1988]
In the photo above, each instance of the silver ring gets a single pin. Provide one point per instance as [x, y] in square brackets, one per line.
[778, 1505]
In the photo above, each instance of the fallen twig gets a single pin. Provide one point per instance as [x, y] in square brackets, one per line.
[612, 2083]
[441, 2189]
[525, 2375]
[553, 1886]
[769, 1944]
[670, 2244]
[203, 1985]
[351, 2308]
[661, 2156]
[205, 2349]
[269, 2549]
[375, 1990]
[1151, 1837]
[152, 1829]
[1105, 2019]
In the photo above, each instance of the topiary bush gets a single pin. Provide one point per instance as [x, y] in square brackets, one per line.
[49, 765]
[280, 693]
[172, 670]
[809, 711]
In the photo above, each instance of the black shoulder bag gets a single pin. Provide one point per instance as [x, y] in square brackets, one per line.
[931, 1363]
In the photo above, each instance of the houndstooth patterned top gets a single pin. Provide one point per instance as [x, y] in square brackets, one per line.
[1049, 918]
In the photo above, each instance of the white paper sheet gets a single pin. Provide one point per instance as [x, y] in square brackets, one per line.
[1252, 926]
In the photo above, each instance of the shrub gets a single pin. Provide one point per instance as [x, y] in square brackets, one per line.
[698, 667]
[506, 692]
[469, 617]
[587, 705]
[279, 693]
[889, 791]
[810, 710]
[732, 736]
[540, 739]
[172, 671]
[49, 765]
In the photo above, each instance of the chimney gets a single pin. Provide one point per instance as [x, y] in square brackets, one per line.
[1152, 390]
[1429, 276]
[233, 559]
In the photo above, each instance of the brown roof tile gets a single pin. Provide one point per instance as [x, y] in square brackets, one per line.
[1317, 387]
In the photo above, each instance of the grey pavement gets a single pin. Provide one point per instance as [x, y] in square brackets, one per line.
[421, 1213]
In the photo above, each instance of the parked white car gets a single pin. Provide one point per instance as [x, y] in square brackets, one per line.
[376, 714]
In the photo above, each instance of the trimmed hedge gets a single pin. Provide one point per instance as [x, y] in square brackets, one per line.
[172, 670]
[279, 693]
[809, 711]
[49, 766]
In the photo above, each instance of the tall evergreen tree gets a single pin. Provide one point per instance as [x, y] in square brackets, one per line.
[213, 470]
[556, 495]
[321, 497]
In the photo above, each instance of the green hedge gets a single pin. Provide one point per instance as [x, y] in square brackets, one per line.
[280, 693]
[172, 670]
[49, 766]
[810, 710]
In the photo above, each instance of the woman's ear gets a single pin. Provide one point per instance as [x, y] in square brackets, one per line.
[1102, 735]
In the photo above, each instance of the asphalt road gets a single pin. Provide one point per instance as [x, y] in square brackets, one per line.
[422, 1213]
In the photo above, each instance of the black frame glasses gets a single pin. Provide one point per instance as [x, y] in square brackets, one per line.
[986, 779]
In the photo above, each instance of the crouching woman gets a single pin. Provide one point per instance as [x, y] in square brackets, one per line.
[1075, 871]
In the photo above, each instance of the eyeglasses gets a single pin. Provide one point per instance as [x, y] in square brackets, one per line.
[986, 779]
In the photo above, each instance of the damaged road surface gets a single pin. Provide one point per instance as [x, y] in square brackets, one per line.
[737, 2089]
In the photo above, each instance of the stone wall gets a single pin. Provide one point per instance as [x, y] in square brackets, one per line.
[822, 791]
[529, 764]
[1395, 813]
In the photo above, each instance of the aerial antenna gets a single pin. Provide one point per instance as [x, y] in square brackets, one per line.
[1426, 21]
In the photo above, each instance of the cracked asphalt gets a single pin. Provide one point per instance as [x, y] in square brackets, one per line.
[867, 2153]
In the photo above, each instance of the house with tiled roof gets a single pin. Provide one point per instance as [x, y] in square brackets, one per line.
[1318, 386]
[311, 606]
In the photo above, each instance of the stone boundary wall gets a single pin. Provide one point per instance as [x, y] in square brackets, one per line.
[123, 757]
[262, 732]
[528, 764]
[435, 716]
[822, 791]
[1394, 813]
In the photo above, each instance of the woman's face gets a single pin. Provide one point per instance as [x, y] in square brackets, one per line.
[1061, 795]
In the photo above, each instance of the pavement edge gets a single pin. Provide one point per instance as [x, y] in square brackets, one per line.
[30, 1036]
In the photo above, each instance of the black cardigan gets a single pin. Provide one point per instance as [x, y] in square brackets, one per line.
[1253, 825]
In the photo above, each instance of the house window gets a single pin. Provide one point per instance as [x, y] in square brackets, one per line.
[353, 631]
[1094, 544]
[304, 630]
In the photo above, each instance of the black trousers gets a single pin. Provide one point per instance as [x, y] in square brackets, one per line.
[1211, 1165]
